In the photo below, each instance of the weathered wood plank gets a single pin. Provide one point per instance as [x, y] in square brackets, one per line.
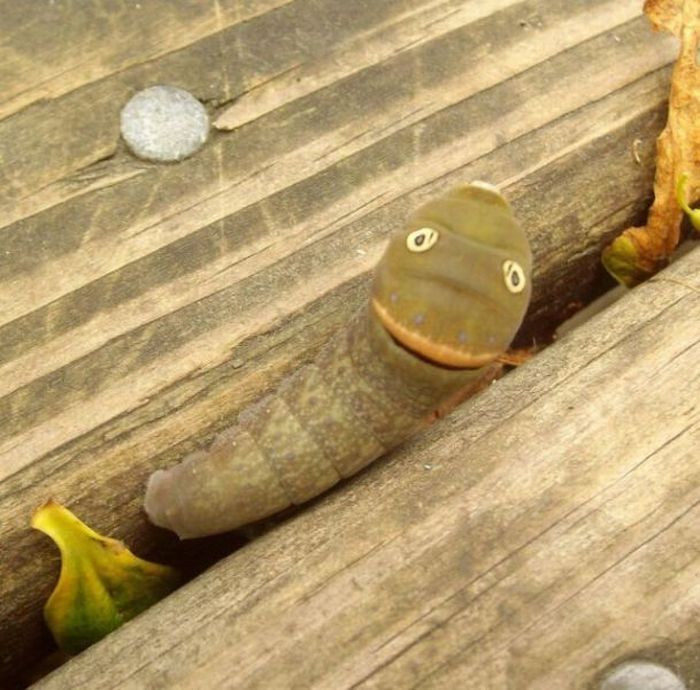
[544, 530]
[142, 306]
[52, 48]
[74, 131]
[380, 112]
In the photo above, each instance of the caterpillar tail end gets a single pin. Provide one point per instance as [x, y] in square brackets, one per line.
[210, 492]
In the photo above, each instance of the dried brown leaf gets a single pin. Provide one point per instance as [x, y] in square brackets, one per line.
[641, 251]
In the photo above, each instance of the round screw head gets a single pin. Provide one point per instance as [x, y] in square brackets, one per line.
[638, 675]
[164, 123]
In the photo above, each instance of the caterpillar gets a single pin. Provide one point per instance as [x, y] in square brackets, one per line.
[447, 298]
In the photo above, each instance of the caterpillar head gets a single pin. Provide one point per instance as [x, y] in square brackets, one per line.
[454, 285]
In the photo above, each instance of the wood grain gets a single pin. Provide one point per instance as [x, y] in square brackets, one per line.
[143, 306]
[546, 530]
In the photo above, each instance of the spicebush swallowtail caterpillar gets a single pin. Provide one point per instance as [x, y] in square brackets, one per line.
[447, 298]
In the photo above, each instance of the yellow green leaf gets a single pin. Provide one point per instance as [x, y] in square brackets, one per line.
[101, 584]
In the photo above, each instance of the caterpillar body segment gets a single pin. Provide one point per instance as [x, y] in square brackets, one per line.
[324, 423]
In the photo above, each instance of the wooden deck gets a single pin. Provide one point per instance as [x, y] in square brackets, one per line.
[142, 306]
[531, 540]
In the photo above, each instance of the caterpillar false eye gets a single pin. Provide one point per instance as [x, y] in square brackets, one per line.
[422, 239]
[514, 276]
[430, 329]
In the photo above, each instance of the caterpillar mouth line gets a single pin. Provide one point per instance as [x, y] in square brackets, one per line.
[425, 359]
[433, 353]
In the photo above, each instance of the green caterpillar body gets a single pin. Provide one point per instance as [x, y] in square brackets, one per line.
[448, 297]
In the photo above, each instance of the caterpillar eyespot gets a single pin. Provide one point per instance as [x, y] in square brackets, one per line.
[429, 330]
[422, 239]
[514, 276]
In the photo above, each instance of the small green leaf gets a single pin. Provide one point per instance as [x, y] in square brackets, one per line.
[101, 584]
[693, 214]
